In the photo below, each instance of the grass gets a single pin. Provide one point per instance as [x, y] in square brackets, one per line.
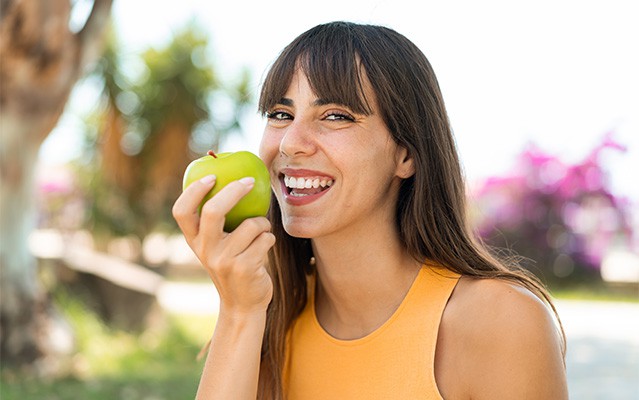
[629, 293]
[589, 294]
[157, 364]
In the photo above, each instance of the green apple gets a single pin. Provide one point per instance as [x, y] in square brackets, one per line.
[229, 167]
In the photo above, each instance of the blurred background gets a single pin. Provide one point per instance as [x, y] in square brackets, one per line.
[103, 104]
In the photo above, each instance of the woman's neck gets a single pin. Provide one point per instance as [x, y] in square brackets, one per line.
[362, 279]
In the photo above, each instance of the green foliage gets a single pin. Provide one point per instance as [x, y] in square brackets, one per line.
[158, 110]
[178, 81]
[111, 364]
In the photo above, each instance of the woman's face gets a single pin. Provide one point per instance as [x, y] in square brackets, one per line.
[331, 169]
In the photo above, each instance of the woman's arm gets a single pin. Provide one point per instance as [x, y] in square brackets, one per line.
[232, 366]
[235, 263]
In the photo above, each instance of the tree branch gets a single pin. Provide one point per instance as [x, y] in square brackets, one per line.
[90, 38]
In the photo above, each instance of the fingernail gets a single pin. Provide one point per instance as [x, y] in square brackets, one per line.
[208, 179]
[249, 180]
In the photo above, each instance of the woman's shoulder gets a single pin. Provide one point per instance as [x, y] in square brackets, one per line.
[496, 328]
[493, 310]
[495, 298]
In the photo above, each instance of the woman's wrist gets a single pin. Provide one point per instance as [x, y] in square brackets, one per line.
[240, 317]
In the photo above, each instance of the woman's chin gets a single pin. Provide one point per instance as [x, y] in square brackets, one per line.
[300, 227]
[297, 231]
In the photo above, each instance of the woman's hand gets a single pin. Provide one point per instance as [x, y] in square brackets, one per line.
[234, 261]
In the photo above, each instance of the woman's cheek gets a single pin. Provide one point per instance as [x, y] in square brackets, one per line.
[268, 148]
[269, 151]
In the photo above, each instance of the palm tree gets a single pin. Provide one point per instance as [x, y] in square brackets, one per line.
[151, 128]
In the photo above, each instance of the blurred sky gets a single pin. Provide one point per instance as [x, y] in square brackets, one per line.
[560, 74]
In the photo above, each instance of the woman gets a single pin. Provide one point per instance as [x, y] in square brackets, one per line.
[375, 287]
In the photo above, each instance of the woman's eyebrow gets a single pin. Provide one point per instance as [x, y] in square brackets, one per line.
[322, 102]
[325, 102]
[285, 101]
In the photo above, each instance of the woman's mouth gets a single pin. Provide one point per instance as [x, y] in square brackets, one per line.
[306, 186]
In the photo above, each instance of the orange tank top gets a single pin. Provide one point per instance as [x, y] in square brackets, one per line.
[396, 361]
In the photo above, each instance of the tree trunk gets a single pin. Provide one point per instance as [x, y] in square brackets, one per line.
[40, 61]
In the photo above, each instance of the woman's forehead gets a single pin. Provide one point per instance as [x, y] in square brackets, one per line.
[300, 81]
[336, 76]
[351, 88]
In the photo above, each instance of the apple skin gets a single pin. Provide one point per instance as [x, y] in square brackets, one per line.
[229, 167]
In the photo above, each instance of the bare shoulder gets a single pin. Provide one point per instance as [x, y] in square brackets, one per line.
[502, 341]
[495, 304]
[495, 314]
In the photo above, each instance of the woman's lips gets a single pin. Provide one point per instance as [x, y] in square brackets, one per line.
[303, 186]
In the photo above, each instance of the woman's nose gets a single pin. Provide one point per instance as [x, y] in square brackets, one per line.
[297, 140]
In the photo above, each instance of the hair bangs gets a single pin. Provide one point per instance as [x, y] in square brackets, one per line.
[330, 61]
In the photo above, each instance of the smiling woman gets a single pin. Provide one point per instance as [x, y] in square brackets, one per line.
[310, 138]
[372, 268]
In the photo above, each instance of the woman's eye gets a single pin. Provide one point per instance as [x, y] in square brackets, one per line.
[339, 117]
[279, 116]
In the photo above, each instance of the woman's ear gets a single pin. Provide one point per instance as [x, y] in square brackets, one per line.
[405, 163]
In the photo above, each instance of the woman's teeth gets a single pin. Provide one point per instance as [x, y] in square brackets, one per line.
[306, 183]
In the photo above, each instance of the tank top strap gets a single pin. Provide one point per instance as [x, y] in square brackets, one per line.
[429, 297]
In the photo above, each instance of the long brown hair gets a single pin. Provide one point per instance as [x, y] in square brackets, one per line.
[431, 211]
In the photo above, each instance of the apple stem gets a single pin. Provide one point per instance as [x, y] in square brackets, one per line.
[211, 153]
